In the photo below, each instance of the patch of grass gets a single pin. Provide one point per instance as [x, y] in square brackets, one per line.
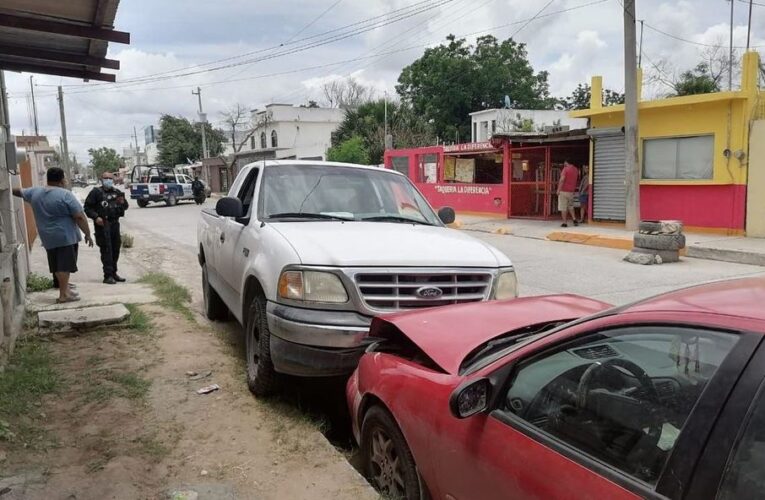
[106, 384]
[133, 386]
[150, 447]
[138, 320]
[38, 283]
[170, 294]
[127, 240]
[29, 376]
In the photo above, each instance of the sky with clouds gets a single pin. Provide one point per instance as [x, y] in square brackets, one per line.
[255, 52]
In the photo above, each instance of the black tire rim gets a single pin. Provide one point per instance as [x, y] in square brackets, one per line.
[386, 466]
[253, 345]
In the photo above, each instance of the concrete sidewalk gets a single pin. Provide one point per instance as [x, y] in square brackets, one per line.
[738, 249]
[89, 282]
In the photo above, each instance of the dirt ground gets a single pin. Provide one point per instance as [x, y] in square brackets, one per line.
[126, 422]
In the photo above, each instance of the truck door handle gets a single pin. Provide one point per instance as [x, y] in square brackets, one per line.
[222, 237]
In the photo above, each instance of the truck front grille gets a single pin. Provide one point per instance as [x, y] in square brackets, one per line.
[412, 290]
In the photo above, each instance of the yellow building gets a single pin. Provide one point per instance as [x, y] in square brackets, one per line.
[694, 153]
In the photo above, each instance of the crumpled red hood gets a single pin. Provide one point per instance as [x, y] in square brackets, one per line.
[448, 334]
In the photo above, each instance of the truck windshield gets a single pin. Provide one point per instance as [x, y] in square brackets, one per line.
[287, 191]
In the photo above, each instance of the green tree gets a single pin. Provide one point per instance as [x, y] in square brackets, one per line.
[181, 141]
[103, 160]
[349, 151]
[580, 98]
[368, 123]
[699, 80]
[454, 79]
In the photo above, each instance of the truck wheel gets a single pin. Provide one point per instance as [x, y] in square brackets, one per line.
[215, 309]
[261, 377]
[388, 462]
[171, 201]
[143, 203]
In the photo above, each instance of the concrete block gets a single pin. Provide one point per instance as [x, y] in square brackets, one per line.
[82, 318]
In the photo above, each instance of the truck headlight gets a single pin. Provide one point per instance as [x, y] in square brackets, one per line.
[507, 286]
[312, 286]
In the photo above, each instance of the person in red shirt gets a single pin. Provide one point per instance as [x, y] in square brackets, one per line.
[569, 181]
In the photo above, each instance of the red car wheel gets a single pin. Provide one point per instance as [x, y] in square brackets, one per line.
[388, 462]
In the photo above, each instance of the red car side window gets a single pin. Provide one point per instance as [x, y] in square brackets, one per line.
[744, 475]
[619, 396]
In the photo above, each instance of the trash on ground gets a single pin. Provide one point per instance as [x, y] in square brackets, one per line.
[190, 373]
[199, 376]
[208, 389]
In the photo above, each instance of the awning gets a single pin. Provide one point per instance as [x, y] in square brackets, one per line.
[59, 37]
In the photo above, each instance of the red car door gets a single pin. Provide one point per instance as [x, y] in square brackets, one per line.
[596, 415]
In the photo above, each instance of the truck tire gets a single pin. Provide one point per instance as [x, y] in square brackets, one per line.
[215, 308]
[660, 227]
[667, 256]
[143, 203]
[262, 379]
[171, 200]
[660, 241]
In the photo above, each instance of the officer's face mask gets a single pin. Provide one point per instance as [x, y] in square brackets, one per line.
[107, 183]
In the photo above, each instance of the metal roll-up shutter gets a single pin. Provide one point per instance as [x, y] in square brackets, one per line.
[608, 191]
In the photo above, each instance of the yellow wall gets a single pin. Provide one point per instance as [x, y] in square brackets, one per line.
[755, 191]
[694, 119]
[726, 115]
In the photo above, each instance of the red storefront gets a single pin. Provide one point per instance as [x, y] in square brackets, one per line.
[511, 176]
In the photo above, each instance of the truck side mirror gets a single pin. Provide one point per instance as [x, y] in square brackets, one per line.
[229, 207]
[446, 214]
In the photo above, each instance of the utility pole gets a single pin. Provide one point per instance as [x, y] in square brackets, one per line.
[202, 121]
[64, 143]
[34, 104]
[730, 52]
[749, 26]
[135, 136]
[631, 163]
[640, 47]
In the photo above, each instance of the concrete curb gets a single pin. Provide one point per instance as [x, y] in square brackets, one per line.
[597, 240]
[735, 256]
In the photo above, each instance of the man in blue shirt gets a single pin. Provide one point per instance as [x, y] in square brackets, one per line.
[58, 214]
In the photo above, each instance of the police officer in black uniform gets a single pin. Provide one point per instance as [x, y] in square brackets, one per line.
[105, 205]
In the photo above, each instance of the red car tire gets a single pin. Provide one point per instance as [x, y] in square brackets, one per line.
[388, 462]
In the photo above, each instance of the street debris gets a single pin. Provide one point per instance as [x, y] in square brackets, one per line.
[208, 389]
[203, 473]
[190, 373]
[184, 495]
[199, 376]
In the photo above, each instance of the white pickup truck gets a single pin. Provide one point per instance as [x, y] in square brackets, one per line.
[303, 254]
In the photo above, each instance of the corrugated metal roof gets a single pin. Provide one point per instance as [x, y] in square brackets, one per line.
[59, 37]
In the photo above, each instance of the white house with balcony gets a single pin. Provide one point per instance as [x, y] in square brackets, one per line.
[285, 132]
[487, 122]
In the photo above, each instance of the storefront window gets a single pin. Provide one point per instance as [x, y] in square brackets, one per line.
[484, 168]
[679, 158]
[401, 164]
[427, 169]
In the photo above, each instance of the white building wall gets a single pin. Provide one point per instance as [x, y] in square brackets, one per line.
[481, 121]
[301, 132]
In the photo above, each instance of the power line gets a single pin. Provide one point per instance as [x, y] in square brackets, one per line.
[342, 33]
[313, 22]
[532, 19]
[701, 44]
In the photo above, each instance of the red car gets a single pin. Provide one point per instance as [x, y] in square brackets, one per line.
[565, 397]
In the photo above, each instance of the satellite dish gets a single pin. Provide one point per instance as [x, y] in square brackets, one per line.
[508, 104]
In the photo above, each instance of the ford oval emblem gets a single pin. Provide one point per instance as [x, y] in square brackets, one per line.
[429, 292]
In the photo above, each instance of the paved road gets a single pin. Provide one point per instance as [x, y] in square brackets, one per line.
[543, 266]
